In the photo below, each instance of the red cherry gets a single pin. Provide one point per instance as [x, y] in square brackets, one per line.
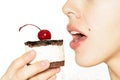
[42, 34]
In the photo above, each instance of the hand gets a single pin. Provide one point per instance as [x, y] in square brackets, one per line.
[18, 70]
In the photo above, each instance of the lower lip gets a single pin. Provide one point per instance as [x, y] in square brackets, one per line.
[74, 44]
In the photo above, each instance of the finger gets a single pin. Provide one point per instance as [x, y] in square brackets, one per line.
[23, 60]
[33, 69]
[18, 63]
[53, 78]
[46, 75]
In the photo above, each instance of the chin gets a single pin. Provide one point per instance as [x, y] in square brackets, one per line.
[85, 62]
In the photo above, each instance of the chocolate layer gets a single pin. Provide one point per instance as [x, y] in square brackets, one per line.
[56, 64]
[44, 43]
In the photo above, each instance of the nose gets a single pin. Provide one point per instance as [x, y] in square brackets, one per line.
[70, 9]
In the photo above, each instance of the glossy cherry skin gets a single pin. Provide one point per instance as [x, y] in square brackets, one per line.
[44, 34]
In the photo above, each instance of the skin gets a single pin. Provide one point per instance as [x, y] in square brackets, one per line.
[18, 70]
[99, 20]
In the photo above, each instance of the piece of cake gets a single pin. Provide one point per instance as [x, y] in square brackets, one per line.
[51, 50]
[47, 49]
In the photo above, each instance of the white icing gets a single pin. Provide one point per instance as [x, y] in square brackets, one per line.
[51, 53]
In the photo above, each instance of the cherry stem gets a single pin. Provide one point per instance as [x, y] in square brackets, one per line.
[28, 25]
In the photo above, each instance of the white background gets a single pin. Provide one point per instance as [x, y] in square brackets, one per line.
[47, 14]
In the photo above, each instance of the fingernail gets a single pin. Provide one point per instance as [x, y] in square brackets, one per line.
[32, 53]
[45, 62]
[53, 78]
[58, 70]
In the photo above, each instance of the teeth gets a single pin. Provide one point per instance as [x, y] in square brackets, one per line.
[74, 32]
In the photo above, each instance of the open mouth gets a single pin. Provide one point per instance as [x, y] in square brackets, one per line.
[78, 35]
[78, 39]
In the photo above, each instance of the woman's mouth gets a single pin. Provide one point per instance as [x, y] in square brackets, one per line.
[78, 39]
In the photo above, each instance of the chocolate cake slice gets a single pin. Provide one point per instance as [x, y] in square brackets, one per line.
[51, 50]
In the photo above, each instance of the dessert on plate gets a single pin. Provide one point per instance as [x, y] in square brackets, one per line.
[46, 49]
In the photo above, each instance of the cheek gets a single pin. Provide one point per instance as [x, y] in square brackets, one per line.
[103, 39]
[98, 48]
[105, 27]
[104, 23]
[102, 14]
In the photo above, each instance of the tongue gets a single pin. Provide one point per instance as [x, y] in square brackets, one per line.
[78, 38]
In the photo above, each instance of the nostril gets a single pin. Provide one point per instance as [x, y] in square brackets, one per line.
[71, 11]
